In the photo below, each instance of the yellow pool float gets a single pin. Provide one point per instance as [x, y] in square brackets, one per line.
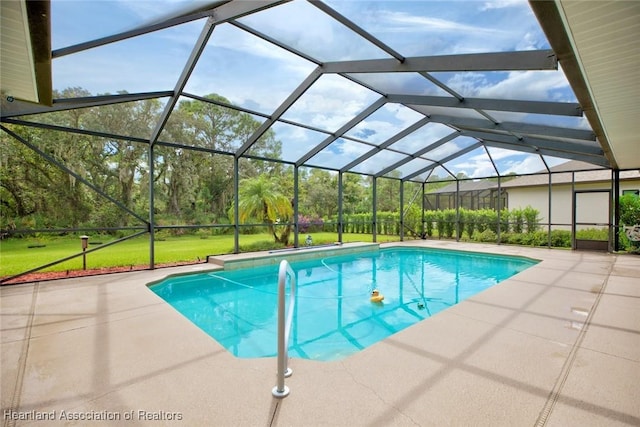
[376, 296]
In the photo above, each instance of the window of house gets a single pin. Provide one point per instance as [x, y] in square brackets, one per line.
[634, 192]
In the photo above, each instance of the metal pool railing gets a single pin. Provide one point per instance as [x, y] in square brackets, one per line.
[281, 390]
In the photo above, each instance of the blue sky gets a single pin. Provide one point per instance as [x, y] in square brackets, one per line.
[257, 75]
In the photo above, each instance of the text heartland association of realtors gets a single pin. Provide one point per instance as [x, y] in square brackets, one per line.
[138, 415]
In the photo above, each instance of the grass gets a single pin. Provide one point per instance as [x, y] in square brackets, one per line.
[20, 255]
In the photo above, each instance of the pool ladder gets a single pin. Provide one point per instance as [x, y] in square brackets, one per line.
[281, 390]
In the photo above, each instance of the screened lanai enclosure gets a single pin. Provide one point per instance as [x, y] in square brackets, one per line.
[296, 120]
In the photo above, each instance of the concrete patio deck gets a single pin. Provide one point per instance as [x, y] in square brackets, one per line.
[556, 345]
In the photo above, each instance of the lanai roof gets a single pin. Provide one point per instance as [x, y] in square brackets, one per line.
[388, 89]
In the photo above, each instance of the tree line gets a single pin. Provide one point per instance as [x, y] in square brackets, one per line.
[193, 179]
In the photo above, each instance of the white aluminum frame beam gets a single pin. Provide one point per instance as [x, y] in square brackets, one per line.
[495, 61]
[220, 11]
[188, 68]
[556, 145]
[516, 127]
[518, 106]
[443, 161]
[397, 137]
[282, 108]
[357, 29]
[344, 129]
[596, 160]
[419, 153]
[21, 108]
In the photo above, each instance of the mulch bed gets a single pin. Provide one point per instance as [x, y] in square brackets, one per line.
[54, 275]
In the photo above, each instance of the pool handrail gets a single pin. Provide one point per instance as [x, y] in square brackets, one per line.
[281, 390]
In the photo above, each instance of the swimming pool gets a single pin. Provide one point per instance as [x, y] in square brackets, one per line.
[334, 316]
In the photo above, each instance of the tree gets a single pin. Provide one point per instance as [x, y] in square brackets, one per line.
[261, 199]
[204, 179]
[355, 196]
[115, 165]
[321, 194]
[388, 198]
[34, 192]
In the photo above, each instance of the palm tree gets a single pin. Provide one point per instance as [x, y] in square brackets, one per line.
[261, 199]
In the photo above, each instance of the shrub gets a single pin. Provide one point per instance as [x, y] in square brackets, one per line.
[560, 238]
[625, 243]
[593, 234]
[469, 222]
[512, 238]
[532, 218]
[312, 224]
[428, 222]
[630, 209]
[222, 230]
[449, 219]
[347, 226]
[504, 220]
[629, 215]
[541, 238]
[439, 218]
[481, 223]
[487, 236]
[388, 223]
[516, 216]
[412, 218]
[528, 239]
[489, 218]
[106, 215]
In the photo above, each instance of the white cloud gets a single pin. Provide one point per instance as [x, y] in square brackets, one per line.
[443, 151]
[529, 41]
[229, 37]
[507, 161]
[404, 22]
[475, 167]
[531, 85]
[351, 149]
[381, 130]
[339, 153]
[525, 85]
[385, 123]
[330, 103]
[554, 161]
[498, 154]
[529, 164]
[151, 12]
[501, 4]
[467, 84]
[404, 115]
[436, 28]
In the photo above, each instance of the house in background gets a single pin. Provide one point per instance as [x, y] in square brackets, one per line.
[592, 185]
[478, 194]
[593, 194]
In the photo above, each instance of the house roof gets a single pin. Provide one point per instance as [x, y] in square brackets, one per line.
[584, 173]
[562, 175]
[478, 185]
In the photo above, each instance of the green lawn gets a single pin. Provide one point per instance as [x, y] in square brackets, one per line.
[19, 255]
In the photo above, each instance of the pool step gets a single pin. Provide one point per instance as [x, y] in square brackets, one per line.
[257, 259]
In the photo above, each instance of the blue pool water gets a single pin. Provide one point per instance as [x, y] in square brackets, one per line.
[333, 314]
